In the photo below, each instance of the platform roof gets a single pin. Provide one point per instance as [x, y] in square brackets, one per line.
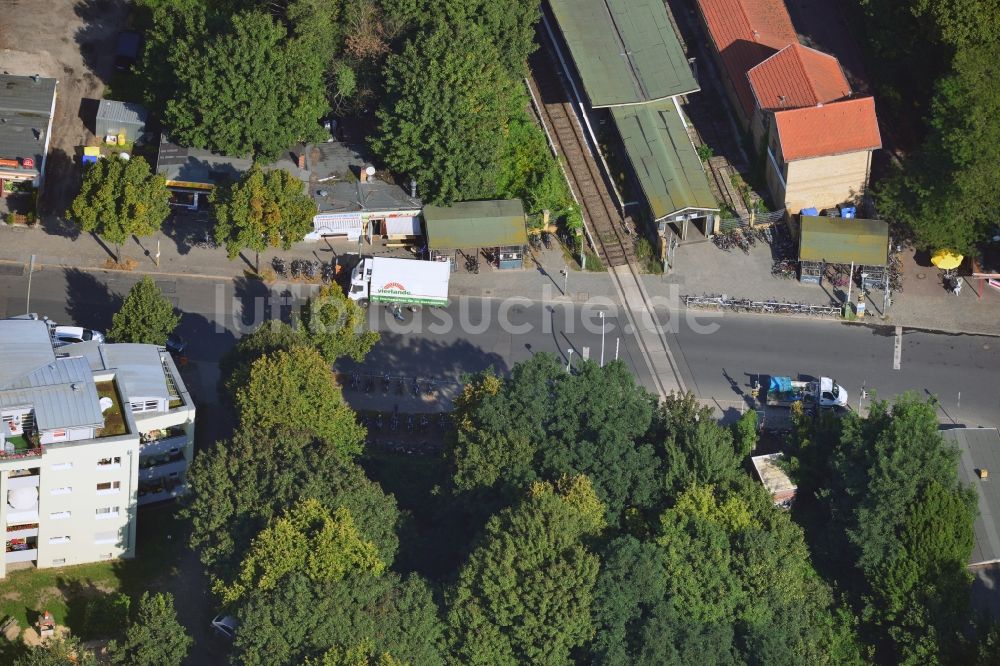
[473, 224]
[840, 240]
[626, 51]
[669, 170]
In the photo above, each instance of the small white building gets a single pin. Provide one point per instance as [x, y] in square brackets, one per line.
[768, 471]
[89, 433]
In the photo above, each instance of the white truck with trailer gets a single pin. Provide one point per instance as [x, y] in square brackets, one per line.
[400, 281]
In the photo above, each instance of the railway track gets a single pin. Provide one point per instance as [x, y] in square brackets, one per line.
[614, 246]
[616, 249]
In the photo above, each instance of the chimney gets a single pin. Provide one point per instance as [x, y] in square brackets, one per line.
[413, 188]
[302, 160]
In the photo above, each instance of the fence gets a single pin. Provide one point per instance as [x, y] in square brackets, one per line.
[722, 302]
[752, 220]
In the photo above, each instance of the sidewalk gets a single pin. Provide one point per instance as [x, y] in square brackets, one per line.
[701, 269]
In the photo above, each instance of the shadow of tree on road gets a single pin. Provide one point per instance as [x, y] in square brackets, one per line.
[89, 301]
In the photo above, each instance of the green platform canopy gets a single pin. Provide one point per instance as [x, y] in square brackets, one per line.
[665, 163]
[839, 240]
[625, 50]
[473, 224]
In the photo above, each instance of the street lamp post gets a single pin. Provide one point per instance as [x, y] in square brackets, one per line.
[602, 338]
[31, 269]
[569, 361]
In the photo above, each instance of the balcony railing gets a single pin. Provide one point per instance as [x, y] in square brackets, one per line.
[15, 556]
[17, 447]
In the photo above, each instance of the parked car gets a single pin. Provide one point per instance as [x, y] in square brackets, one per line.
[225, 626]
[176, 344]
[67, 335]
[127, 49]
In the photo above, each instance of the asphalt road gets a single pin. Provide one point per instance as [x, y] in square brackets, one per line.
[718, 355]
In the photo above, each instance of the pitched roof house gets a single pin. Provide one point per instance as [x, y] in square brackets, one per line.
[796, 102]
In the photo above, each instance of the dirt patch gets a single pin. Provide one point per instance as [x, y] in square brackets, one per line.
[73, 41]
[11, 596]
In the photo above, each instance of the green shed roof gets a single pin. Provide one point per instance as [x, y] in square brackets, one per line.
[625, 50]
[470, 224]
[840, 240]
[669, 170]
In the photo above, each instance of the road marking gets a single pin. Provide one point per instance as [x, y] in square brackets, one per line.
[897, 352]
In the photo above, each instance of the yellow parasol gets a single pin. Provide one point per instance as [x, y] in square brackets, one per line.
[946, 260]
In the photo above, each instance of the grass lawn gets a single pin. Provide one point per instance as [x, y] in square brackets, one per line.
[114, 421]
[64, 591]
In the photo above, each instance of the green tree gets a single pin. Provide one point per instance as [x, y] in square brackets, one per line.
[525, 595]
[58, 652]
[154, 637]
[694, 447]
[120, 198]
[590, 422]
[146, 316]
[745, 433]
[247, 90]
[296, 390]
[443, 117]
[336, 326]
[105, 615]
[239, 486]
[325, 545]
[264, 209]
[270, 337]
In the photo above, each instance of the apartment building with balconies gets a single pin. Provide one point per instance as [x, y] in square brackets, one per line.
[89, 433]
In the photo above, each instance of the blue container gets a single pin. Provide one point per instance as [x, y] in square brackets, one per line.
[809, 212]
[848, 211]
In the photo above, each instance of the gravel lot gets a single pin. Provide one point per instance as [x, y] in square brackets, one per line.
[74, 42]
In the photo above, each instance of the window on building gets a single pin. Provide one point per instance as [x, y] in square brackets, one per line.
[64, 490]
[58, 561]
[106, 512]
[109, 487]
[144, 405]
[59, 539]
[110, 462]
[106, 537]
[65, 465]
[59, 515]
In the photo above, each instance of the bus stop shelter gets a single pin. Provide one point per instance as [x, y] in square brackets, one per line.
[496, 228]
[841, 240]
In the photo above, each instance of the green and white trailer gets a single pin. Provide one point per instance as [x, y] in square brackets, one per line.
[400, 281]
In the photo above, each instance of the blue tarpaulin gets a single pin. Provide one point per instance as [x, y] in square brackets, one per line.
[781, 384]
[812, 212]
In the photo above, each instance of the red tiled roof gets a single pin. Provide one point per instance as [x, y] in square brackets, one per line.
[797, 76]
[746, 32]
[840, 127]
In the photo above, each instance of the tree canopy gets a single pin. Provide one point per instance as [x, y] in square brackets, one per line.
[264, 209]
[442, 120]
[146, 315]
[250, 89]
[525, 595]
[295, 390]
[154, 637]
[337, 326]
[120, 198]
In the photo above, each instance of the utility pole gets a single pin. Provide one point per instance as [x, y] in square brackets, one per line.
[617, 341]
[157, 252]
[31, 269]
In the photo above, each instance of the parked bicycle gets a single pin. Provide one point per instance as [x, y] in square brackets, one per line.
[278, 264]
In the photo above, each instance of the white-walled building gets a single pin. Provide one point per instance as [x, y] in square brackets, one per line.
[89, 432]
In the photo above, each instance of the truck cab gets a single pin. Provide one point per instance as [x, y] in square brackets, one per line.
[361, 277]
[831, 394]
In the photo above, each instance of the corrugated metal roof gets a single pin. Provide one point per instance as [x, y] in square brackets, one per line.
[979, 448]
[24, 346]
[62, 394]
[25, 110]
[839, 240]
[122, 112]
[138, 369]
[669, 170]
[625, 50]
[471, 224]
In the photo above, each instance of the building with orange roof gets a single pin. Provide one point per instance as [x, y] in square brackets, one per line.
[796, 103]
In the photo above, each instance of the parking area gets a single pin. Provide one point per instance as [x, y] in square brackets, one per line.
[72, 41]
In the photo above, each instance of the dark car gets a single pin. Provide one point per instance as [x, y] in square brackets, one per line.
[127, 50]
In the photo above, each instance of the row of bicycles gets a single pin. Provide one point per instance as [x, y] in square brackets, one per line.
[778, 306]
[309, 269]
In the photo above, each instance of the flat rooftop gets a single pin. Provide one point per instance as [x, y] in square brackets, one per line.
[25, 114]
